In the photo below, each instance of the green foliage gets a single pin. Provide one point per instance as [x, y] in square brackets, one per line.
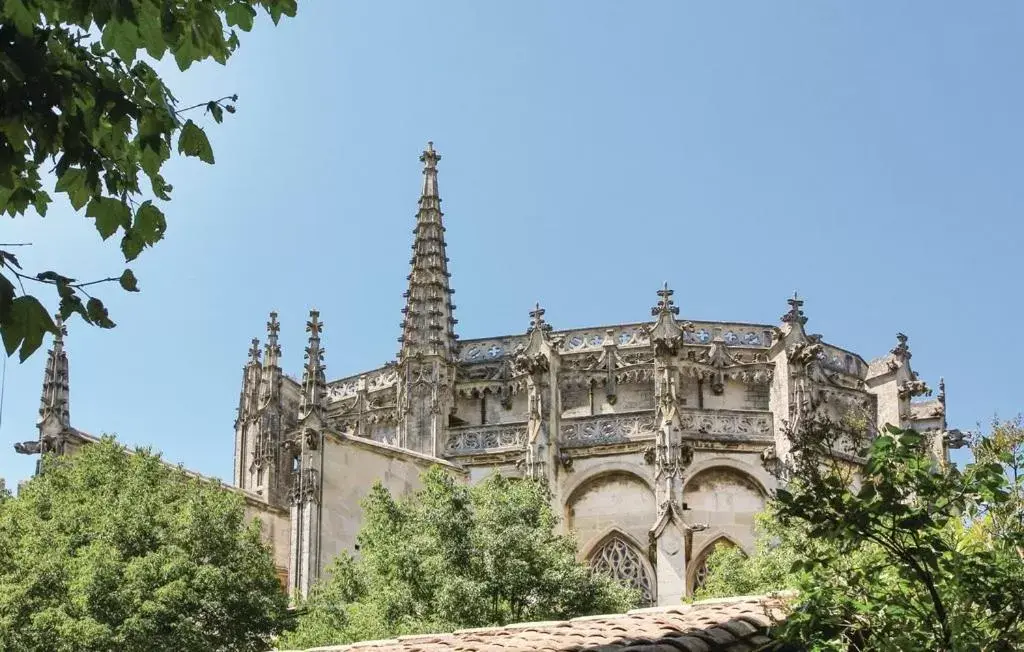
[79, 99]
[451, 556]
[894, 560]
[107, 550]
[769, 569]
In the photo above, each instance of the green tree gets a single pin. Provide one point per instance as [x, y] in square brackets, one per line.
[82, 110]
[451, 556]
[895, 560]
[107, 550]
[769, 569]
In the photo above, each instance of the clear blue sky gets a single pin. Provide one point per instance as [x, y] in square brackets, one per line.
[869, 156]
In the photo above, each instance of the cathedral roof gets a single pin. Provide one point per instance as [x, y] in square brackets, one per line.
[723, 625]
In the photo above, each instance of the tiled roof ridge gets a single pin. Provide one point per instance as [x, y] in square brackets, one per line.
[721, 624]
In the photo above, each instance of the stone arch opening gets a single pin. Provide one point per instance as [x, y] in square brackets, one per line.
[616, 556]
[699, 567]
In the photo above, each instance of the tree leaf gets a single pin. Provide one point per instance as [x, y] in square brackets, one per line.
[26, 323]
[193, 142]
[128, 281]
[240, 15]
[98, 313]
[110, 214]
[74, 183]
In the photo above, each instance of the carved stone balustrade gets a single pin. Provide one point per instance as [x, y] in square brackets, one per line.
[485, 439]
[607, 429]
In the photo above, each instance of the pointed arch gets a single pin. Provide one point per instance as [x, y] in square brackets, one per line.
[699, 567]
[617, 555]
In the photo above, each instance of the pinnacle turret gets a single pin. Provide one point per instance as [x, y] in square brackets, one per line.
[429, 325]
[55, 400]
[271, 377]
[314, 382]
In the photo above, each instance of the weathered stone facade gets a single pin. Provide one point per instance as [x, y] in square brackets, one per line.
[654, 436]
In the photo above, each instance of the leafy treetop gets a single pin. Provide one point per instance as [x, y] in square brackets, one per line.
[108, 550]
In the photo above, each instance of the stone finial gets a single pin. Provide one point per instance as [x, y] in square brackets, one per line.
[942, 391]
[665, 303]
[429, 158]
[795, 315]
[537, 320]
[254, 351]
[667, 334]
[273, 349]
[901, 350]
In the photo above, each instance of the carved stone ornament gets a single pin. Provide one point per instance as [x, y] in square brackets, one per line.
[305, 487]
[650, 455]
[480, 439]
[912, 388]
[311, 438]
[28, 447]
[565, 460]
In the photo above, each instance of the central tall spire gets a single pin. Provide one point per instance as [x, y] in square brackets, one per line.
[429, 325]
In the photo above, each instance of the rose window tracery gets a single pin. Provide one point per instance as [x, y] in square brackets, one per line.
[621, 561]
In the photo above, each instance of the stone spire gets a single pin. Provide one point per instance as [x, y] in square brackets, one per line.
[54, 408]
[428, 327]
[314, 382]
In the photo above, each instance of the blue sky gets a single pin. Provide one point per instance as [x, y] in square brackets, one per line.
[869, 156]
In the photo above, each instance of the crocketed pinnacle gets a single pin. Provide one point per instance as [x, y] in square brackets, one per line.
[428, 327]
[314, 382]
[269, 385]
[55, 401]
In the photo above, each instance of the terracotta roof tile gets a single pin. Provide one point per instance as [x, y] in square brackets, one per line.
[729, 625]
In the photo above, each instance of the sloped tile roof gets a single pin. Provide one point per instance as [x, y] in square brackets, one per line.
[726, 625]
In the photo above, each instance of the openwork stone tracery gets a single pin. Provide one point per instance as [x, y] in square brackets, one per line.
[621, 561]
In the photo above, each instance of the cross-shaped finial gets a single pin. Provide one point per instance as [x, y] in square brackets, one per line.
[537, 319]
[665, 303]
[430, 157]
[254, 351]
[314, 325]
[795, 313]
[273, 326]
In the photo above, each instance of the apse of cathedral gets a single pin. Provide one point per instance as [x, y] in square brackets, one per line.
[657, 438]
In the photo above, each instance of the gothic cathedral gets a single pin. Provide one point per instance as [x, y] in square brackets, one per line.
[656, 438]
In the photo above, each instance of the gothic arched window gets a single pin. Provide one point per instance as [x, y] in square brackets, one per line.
[621, 560]
[700, 572]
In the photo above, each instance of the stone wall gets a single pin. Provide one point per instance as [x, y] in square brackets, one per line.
[351, 466]
[276, 530]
